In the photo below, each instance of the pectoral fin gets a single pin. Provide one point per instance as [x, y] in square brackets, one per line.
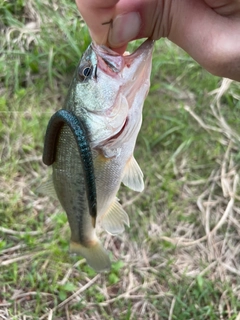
[47, 188]
[114, 219]
[133, 176]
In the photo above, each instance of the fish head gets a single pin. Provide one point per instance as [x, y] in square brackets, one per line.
[107, 85]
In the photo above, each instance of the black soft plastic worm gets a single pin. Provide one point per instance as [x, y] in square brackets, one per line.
[56, 122]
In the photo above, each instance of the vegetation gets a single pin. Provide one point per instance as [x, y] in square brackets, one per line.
[180, 257]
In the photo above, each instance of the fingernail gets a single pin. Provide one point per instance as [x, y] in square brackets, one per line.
[124, 28]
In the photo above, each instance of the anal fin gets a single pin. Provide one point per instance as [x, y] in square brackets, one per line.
[114, 219]
[133, 176]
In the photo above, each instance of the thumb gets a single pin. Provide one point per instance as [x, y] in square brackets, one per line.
[98, 15]
[108, 22]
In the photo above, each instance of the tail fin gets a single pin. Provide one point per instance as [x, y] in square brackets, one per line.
[96, 256]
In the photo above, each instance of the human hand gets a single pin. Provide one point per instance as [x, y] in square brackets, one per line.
[209, 30]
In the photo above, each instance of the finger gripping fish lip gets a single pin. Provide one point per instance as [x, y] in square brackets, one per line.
[81, 136]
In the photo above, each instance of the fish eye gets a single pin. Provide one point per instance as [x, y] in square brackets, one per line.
[85, 72]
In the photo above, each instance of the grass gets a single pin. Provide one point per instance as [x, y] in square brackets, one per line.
[180, 257]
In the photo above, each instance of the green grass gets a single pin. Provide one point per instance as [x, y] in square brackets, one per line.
[190, 165]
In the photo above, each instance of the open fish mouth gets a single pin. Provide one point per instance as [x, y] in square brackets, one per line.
[109, 59]
[102, 51]
[143, 50]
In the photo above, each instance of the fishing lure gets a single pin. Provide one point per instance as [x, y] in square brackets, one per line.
[80, 134]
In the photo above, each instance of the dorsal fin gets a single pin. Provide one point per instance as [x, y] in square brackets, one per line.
[47, 188]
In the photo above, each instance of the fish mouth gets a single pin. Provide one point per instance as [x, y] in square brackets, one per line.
[102, 51]
[144, 49]
[113, 62]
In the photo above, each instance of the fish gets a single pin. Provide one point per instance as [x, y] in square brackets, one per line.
[105, 101]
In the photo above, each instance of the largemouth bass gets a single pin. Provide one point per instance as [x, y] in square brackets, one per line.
[106, 95]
